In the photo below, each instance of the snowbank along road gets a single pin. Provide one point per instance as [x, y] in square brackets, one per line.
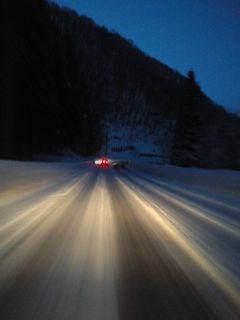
[79, 242]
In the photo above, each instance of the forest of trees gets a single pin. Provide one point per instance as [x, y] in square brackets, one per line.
[44, 104]
[205, 134]
[62, 76]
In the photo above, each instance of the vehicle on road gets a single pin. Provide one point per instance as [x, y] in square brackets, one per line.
[106, 162]
[102, 162]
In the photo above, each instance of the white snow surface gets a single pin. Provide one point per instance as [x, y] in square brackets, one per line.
[121, 137]
[215, 181]
[219, 182]
[193, 213]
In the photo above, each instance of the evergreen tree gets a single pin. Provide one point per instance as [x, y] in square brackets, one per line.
[189, 143]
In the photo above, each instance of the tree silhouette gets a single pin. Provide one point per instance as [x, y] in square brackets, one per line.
[189, 143]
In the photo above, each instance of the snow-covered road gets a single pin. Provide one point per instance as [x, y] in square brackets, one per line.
[78, 242]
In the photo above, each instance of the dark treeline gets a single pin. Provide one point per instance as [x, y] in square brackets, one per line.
[63, 77]
[205, 134]
[44, 105]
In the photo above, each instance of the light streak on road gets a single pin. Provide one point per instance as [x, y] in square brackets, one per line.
[159, 220]
[102, 244]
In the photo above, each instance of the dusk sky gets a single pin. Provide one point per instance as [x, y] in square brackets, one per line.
[200, 34]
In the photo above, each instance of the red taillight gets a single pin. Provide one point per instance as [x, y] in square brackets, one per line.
[104, 162]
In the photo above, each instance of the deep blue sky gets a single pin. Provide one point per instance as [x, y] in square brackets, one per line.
[200, 34]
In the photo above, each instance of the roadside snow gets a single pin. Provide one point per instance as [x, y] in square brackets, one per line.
[37, 173]
[225, 182]
[132, 142]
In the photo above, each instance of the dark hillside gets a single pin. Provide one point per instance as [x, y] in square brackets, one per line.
[42, 110]
[63, 77]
